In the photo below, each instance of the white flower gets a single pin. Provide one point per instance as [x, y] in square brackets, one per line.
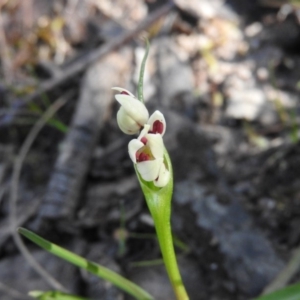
[133, 114]
[147, 152]
[157, 123]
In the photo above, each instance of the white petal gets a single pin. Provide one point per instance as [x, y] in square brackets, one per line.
[157, 116]
[122, 90]
[163, 176]
[133, 146]
[149, 169]
[144, 131]
[134, 108]
[156, 145]
[126, 123]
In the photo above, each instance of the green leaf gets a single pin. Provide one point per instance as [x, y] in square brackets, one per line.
[58, 125]
[142, 71]
[90, 266]
[55, 122]
[54, 295]
[291, 292]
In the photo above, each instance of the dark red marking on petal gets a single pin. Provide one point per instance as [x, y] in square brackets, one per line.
[124, 93]
[158, 127]
[144, 140]
[142, 157]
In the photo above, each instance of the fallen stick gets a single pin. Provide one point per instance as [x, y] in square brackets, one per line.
[93, 109]
[98, 53]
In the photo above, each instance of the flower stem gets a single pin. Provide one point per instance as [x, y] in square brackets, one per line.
[159, 204]
[167, 248]
[142, 71]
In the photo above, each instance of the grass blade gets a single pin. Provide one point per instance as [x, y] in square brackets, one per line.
[291, 292]
[91, 267]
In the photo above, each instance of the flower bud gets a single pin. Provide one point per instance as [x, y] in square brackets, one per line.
[133, 114]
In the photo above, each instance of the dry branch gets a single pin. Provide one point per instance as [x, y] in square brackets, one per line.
[92, 111]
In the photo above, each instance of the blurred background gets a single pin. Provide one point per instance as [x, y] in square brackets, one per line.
[226, 74]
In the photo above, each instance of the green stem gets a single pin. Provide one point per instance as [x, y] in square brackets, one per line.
[142, 71]
[159, 204]
[167, 248]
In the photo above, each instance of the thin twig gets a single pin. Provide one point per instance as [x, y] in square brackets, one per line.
[283, 278]
[4, 53]
[3, 188]
[15, 186]
[13, 293]
[95, 55]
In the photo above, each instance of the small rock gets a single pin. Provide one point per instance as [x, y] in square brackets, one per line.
[248, 256]
[245, 104]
